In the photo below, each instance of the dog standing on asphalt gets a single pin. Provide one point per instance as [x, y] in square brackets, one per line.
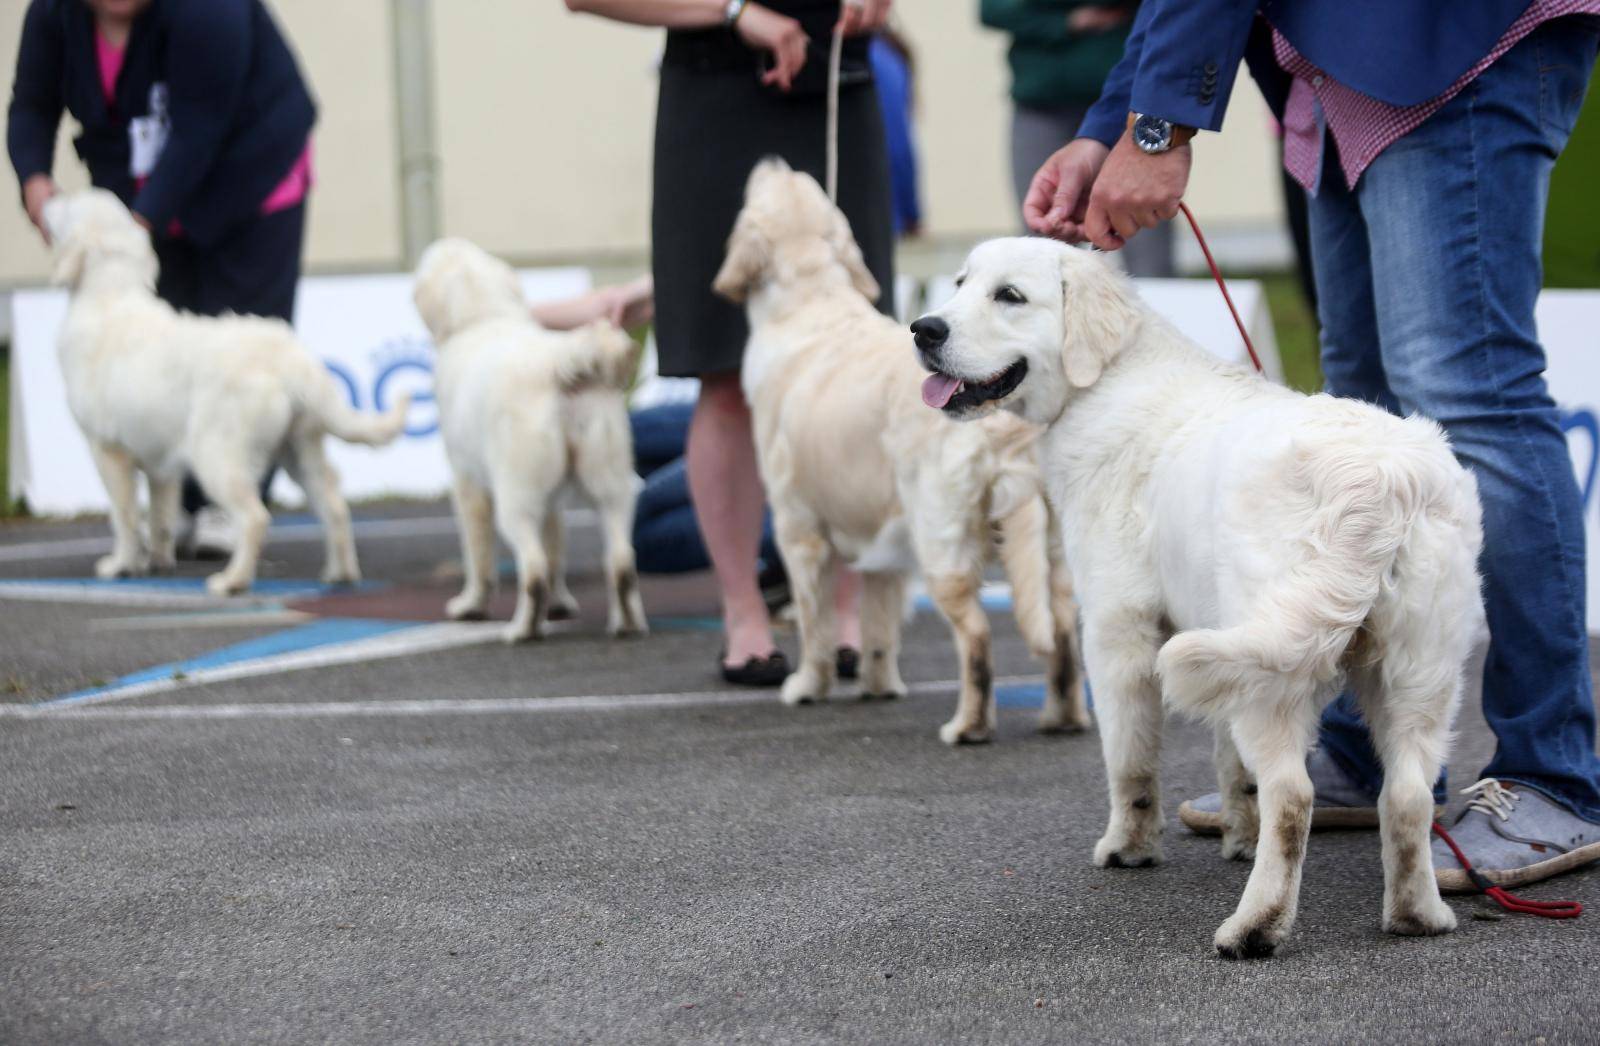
[525, 412]
[858, 471]
[1243, 551]
[160, 392]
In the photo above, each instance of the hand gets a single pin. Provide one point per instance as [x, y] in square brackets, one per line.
[1059, 195]
[1136, 190]
[1093, 18]
[632, 304]
[780, 36]
[36, 192]
[857, 17]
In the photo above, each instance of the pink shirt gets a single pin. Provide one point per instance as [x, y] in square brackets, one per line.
[1362, 126]
[292, 190]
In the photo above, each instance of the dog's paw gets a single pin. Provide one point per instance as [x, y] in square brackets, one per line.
[1116, 850]
[1057, 720]
[802, 688]
[113, 566]
[1431, 918]
[882, 695]
[1244, 937]
[465, 608]
[518, 633]
[224, 584]
[340, 577]
[1238, 846]
[563, 610]
[960, 732]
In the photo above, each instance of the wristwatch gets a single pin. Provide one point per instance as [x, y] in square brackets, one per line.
[1154, 135]
[731, 13]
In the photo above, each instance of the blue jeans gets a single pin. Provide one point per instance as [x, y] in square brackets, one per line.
[666, 535]
[1427, 274]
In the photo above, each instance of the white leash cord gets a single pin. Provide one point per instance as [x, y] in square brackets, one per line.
[831, 172]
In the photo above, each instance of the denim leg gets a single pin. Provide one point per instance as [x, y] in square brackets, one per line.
[659, 435]
[1455, 215]
[1352, 367]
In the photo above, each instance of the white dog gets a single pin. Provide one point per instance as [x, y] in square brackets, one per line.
[158, 391]
[1242, 550]
[857, 469]
[524, 412]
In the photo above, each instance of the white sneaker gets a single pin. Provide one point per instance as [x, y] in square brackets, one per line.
[209, 534]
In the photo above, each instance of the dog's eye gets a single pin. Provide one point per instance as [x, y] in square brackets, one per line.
[1010, 295]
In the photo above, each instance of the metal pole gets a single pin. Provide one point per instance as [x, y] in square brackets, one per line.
[419, 158]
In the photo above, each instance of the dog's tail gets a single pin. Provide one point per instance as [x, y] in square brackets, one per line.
[353, 426]
[598, 354]
[1376, 515]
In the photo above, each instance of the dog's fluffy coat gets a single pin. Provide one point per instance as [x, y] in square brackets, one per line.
[158, 391]
[856, 468]
[525, 412]
[1242, 550]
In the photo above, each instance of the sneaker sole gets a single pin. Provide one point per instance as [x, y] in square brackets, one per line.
[1454, 880]
[1206, 822]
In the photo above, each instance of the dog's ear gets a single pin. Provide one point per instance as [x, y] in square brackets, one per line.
[749, 255]
[849, 254]
[71, 258]
[1098, 315]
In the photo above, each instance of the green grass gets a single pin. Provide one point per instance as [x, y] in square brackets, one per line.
[1296, 329]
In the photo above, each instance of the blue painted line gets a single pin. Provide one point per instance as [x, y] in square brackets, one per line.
[685, 624]
[325, 632]
[1025, 695]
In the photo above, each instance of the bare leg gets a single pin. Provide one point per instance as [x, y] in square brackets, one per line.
[956, 596]
[882, 606]
[847, 606]
[475, 519]
[127, 550]
[725, 484]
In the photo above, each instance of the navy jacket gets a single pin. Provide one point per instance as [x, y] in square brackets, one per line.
[238, 110]
[1183, 55]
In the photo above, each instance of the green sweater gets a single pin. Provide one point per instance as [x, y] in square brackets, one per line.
[1051, 66]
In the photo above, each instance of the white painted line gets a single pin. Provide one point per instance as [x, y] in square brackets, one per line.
[206, 619]
[283, 533]
[421, 640]
[446, 706]
[136, 596]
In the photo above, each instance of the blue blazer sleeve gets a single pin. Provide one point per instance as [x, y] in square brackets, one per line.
[36, 94]
[1180, 63]
[208, 56]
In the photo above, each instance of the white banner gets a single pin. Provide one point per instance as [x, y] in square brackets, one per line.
[366, 330]
[1569, 328]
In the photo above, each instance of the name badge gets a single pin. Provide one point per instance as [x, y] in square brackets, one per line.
[147, 135]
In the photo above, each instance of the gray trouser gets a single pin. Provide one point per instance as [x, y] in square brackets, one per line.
[1035, 134]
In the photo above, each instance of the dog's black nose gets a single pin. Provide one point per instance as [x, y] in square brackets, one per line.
[931, 332]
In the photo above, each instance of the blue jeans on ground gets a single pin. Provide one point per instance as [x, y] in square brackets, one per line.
[666, 536]
[1427, 274]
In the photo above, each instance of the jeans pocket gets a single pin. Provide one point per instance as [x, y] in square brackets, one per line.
[1566, 58]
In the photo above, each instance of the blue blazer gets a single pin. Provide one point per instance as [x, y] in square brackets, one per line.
[1183, 55]
[238, 108]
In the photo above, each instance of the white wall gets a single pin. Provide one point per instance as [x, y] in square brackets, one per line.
[545, 118]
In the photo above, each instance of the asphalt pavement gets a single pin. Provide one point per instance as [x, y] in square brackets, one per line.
[326, 817]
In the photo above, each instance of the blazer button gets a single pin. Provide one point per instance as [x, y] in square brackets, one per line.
[1211, 68]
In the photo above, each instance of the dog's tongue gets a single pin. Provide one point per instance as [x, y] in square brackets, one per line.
[938, 389]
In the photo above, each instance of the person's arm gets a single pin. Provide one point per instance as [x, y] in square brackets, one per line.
[35, 111]
[208, 54]
[627, 305]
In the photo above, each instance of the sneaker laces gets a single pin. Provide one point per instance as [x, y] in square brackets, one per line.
[1491, 797]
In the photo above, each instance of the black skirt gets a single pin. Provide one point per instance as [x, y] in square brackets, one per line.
[712, 126]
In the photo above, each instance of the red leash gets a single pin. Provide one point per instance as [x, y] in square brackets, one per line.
[1216, 274]
[1503, 897]
[1499, 894]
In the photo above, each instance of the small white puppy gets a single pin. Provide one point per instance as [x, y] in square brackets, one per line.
[158, 391]
[1241, 549]
[524, 412]
[858, 470]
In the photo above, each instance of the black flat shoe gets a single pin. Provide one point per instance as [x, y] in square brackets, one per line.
[847, 662]
[771, 670]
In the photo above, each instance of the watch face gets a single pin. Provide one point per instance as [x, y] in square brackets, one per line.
[1152, 134]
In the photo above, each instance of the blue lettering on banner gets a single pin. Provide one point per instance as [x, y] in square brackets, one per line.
[1583, 420]
[347, 380]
